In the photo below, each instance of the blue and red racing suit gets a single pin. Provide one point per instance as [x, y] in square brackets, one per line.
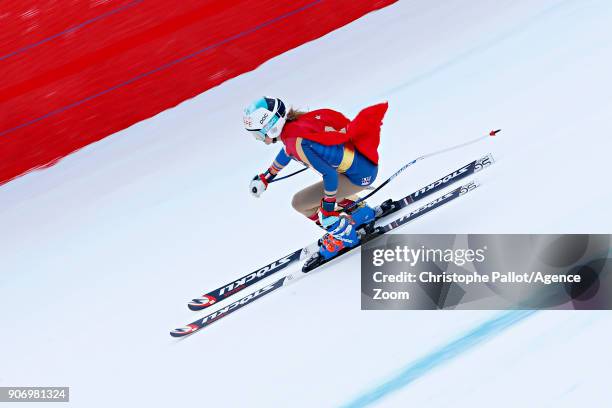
[329, 143]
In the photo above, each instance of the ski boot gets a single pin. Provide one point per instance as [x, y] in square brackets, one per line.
[366, 228]
[385, 208]
[343, 235]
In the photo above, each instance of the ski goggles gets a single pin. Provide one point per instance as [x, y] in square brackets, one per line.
[271, 129]
[258, 113]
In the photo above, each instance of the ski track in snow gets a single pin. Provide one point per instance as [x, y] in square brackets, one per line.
[101, 252]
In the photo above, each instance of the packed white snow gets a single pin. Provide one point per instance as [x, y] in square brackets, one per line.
[100, 253]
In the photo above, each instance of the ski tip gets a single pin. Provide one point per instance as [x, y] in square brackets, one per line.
[201, 303]
[195, 305]
[174, 333]
[184, 331]
[494, 132]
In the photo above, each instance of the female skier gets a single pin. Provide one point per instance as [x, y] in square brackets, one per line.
[344, 152]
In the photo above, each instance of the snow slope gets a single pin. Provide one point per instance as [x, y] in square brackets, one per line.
[101, 252]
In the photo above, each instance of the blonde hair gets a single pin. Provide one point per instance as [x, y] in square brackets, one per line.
[294, 114]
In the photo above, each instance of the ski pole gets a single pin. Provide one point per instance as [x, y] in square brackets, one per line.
[289, 175]
[404, 167]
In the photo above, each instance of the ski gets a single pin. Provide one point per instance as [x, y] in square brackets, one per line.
[377, 231]
[244, 282]
[286, 280]
[304, 253]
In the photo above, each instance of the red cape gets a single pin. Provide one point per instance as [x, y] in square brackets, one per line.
[363, 132]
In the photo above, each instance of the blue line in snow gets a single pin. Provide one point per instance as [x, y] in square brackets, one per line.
[455, 348]
[76, 27]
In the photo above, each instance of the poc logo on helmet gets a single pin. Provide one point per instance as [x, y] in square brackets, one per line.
[270, 113]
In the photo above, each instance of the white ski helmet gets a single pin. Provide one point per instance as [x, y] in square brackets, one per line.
[265, 117]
